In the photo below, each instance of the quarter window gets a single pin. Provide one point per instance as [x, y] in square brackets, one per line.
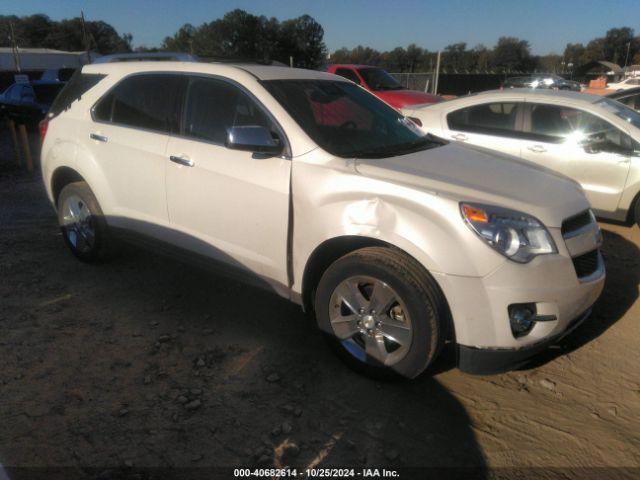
[490, 119]
[150, 102]
[214, 106]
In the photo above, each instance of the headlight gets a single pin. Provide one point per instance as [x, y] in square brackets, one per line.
[517, 236]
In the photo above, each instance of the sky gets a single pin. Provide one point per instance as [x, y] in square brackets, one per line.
[547, 25]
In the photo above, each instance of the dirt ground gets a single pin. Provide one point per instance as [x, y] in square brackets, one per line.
[147, 366]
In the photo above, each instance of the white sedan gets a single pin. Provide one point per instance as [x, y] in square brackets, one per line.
[594, 140]
[627, 83]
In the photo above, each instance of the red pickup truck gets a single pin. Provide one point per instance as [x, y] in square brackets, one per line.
[383, 85]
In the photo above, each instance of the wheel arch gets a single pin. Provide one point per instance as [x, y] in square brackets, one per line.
[61, 177]
[332, 249]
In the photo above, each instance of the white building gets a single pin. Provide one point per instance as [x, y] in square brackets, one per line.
[41, 59]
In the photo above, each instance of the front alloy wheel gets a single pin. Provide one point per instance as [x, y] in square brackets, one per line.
[381, 312]
[371, 320]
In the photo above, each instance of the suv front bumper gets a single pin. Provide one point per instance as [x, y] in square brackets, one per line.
[490, 361]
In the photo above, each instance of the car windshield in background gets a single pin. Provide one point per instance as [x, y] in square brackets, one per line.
[620, 110]
[347, 121]
[46, 93]
[378, 79]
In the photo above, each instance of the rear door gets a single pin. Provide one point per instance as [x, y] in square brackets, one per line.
[582, 146]
[494, 125]
[129, 138]
[228, 204]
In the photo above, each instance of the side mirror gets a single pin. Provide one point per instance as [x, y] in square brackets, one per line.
[592, 144]
[253, 138]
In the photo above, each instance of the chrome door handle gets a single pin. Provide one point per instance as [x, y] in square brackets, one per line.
[186, 161]
[537, 148]
[98, 137]
[459, 136]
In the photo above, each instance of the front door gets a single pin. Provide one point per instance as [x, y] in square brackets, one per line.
[228, 204]
[582, 146]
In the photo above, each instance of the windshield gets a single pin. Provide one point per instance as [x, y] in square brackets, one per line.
[620, 110]
[378, 79]
[346, 120]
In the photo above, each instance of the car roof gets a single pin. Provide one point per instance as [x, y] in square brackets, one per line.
[542, 94]
[261, 72]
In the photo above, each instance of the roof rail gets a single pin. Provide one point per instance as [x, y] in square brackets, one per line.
[149, 56]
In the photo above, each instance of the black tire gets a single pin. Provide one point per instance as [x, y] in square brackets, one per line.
[97, 249]
[419, 293]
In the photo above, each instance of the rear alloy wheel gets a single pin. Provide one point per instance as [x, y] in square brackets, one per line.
[81, 222]
[381, 312]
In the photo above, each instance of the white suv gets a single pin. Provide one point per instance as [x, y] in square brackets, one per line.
[398, 242]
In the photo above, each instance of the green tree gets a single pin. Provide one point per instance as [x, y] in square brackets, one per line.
[512, 55]
[40, 31]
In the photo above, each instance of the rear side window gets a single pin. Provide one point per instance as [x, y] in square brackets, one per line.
[150, 102]
[214, 106]
[78, 85]
[348, 74]
[491, 119]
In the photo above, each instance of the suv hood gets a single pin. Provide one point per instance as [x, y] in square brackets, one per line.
[467, 173]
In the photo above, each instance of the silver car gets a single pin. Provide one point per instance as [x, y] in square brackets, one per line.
[593, 140]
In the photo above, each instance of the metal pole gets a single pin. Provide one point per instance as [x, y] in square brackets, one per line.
[84, 36]
[14, 140]
[14, 46]
[435, 81]
[25, 145]
[626, 59]
[291, 61]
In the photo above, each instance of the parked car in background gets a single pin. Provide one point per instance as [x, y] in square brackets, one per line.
[542, 81]
[29, 102]
[592, 139]
[395, 240]
[627, 83]
[383, 85]
[630, 97]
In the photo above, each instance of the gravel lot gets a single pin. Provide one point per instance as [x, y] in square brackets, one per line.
[145, 366]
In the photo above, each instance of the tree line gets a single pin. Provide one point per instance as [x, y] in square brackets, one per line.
[509, 55]
[242, 35]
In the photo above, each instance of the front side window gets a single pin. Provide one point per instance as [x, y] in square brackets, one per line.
[558, 124]
[348, 74]
[490, 119]
[150, 102]
[347, 121]
[214, 106]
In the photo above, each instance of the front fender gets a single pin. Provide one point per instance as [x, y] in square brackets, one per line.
[330, 203]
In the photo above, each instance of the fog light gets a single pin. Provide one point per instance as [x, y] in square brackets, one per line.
[522, 318]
